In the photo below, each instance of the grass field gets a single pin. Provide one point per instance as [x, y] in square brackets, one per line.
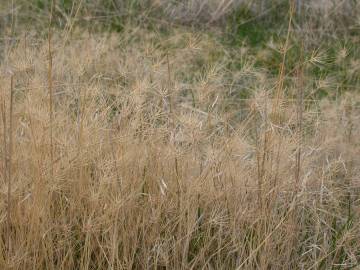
[179, 134]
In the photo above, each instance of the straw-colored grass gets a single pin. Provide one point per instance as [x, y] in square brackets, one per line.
[141, 150]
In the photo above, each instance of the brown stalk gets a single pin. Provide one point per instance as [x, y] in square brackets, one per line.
[280, 87]
[299, 123]
[264, 156]
[50, 82]
[169, 84]
[5, 171]
[8, 156]
[8, 161]
[276, 110]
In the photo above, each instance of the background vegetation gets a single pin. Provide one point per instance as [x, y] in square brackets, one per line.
[191, 134]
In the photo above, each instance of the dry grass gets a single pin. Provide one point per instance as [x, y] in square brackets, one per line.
[147, 161]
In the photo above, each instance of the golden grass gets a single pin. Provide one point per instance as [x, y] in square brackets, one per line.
[146, 164]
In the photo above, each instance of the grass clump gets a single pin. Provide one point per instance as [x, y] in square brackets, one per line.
[164, 147]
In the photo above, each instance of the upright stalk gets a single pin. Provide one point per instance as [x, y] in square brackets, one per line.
[50, 82]
[280, 87]
[7, 150]
[299, 123]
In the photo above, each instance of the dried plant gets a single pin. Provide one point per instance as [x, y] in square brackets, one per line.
[152, 150]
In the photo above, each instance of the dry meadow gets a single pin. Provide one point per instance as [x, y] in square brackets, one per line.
[163, 143]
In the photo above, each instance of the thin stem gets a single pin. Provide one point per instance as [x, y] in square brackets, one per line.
[300, 98]
[8, 162]
[280, 87]
[50, 81]
[6, 176]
